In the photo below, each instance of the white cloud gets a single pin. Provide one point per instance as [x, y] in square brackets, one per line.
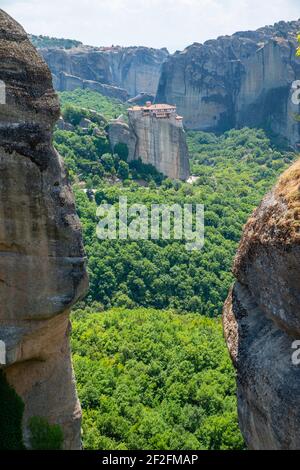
[157, 23]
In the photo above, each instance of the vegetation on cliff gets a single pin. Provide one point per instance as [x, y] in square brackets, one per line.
[109, 107]
[11, 414]
[86, 150]
[48, 42]
[45, 436]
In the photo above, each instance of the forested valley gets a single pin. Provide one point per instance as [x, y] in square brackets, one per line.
[151, 364]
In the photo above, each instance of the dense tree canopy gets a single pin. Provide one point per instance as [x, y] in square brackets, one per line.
[109, 107]
[152, 379]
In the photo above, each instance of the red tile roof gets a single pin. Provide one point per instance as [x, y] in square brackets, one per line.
[153, 107]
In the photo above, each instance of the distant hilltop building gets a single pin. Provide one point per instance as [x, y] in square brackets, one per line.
[155, 134]
[160, 111]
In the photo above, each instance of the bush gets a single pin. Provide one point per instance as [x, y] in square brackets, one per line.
[11, 413]
[45, 436]
[122, 300]
[122, 150]
[72, 115]
[123, 170]
[145, 171]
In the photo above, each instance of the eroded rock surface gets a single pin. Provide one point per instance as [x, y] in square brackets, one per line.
[66, 82]
[42, 264]
[262, 319]
[236, 81]
[119, 72]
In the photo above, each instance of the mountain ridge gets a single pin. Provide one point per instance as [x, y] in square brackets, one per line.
[234, 81]
[238, 80]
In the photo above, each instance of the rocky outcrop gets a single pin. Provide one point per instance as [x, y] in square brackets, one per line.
[262, 319]
[141, 99]
[235, 81]
[116, 71]
[119, 132]
[66, 82]
[42, 263]
[159, 141]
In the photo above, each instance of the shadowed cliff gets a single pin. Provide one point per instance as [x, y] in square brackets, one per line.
[117, 72]
[42, 263]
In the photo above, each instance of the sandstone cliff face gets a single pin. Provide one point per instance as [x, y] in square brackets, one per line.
[120, 132]
[67, 82]
[42, 267]
[119, 70]
[159, 142]
[236, 81]
[262, 319]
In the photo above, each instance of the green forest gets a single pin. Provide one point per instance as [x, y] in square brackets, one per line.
[153, 379]
[152, 368]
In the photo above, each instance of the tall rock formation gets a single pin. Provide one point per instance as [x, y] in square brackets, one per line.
[120, 72]
[42, 264]
[235, 81]
[154, 134]
[262, 319]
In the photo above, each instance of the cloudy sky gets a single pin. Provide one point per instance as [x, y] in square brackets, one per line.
[157, 23]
